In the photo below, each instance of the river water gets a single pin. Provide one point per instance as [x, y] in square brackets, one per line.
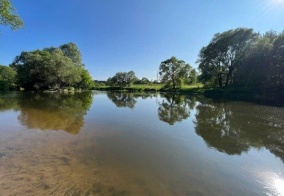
[112, 143]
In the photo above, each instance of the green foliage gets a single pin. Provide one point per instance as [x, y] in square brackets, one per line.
[71, 51]
[50, 68]
[264, 66]
[276, 71]
[241, 58]
[86, 80]
[224, 54]
[255, 66]
[122, 79]
[7, 78]
[8, 16]
[173, 72]
[144, 80]
[192, 88]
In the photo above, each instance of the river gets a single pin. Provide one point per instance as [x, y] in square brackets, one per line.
[114, 143]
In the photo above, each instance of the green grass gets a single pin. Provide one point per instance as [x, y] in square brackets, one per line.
[197, 85]
[152, 87]
[146, 87]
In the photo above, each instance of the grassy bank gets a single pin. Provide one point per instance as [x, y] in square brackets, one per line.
[149, 87]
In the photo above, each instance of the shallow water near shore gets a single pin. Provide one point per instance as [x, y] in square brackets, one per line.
[113, 143]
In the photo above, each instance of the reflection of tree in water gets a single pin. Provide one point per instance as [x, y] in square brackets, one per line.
[54, 111]
[235, 127]
[8, 102]
[144, 95]
[213, 123]
[122, 99]
[175, 108]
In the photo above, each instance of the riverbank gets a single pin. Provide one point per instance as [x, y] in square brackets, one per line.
[149, 87]
[270, 96]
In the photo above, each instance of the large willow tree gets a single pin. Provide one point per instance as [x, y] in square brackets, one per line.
[224, 54]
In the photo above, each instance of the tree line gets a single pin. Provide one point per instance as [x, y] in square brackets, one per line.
[235, 58]
[243, 58]
[174, 73]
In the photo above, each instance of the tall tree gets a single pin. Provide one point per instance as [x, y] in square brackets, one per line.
[172, 71]
[8, 16]
[224, 54]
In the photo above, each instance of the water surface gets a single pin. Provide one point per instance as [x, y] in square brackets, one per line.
[99, 143]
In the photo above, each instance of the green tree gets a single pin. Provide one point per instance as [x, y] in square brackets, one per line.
[144, 80]
[39, 70]
[255, 68]
[72, 51]
[276, 71]
[263, 67]
[224, 54]
[122, 79]
[110, 81]
[173, 72]
[8, 16]
[7, 78]
[191, 78]
[87, 81]
[50, 68]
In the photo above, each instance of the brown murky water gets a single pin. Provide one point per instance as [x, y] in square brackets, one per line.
[111, 143]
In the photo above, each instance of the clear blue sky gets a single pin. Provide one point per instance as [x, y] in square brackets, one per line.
[124, 35]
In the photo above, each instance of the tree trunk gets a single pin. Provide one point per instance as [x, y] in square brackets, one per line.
[174, 84]
[220, 80]
[229, 75]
